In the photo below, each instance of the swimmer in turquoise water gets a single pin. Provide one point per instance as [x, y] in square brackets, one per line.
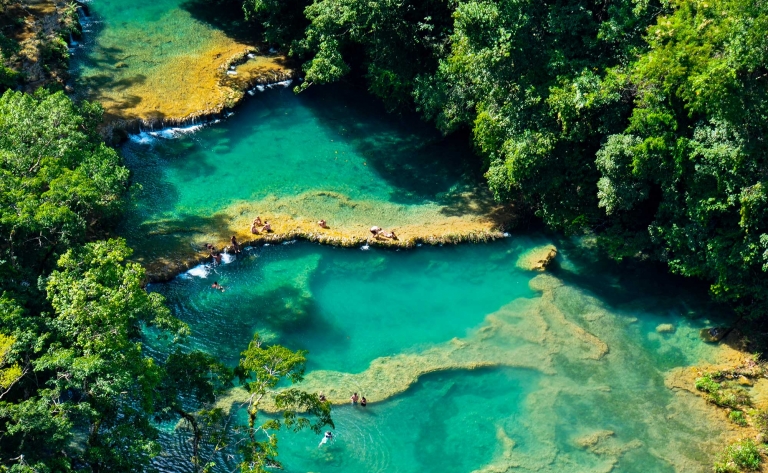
[326, 438]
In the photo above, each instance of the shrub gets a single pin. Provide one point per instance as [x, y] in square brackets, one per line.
[738, 457]
[738, 418]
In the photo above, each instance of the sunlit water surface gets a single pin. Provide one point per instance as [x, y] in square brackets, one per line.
[575, 365]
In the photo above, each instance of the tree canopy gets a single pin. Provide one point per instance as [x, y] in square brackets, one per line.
[78, 390]
[641, 121]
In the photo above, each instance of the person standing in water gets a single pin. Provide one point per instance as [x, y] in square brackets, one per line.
[363, 402]
[354, 398]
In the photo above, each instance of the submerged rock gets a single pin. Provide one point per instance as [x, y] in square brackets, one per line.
[665, 328]
[713, 334]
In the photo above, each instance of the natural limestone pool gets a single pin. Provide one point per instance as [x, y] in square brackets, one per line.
[165, 61]
[470, 362]
[329, 153]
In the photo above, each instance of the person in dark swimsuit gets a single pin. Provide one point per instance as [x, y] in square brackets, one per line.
[235, 245]
[363, 402]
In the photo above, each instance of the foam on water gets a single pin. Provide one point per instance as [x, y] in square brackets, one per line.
[199, 271]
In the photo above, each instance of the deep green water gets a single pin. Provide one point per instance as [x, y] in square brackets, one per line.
[349, 307]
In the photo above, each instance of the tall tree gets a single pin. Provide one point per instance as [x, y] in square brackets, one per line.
[262, 368]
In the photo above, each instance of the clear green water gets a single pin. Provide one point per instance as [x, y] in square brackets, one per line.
[154, 59]
[350, 308]
[327, 153]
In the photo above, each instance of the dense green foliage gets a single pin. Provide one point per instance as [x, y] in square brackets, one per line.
[741, 456]
[638, 120]
[77, 390]
[261, 369]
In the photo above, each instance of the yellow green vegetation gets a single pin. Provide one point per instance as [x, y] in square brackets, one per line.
[8, 374]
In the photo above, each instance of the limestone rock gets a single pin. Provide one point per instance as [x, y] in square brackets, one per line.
[665, 328]
[537, 259]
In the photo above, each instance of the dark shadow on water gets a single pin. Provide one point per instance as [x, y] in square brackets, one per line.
[224, 15]
[409, 154]
[647, 284]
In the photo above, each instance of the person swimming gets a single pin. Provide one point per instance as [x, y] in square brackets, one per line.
[326, 438]
[217, 286]
[363, 401]
[354, 398]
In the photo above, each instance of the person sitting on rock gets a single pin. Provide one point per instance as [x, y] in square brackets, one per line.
[257, 221]
[255, 226]
[267, 227]
[322, 224]
[375, 230]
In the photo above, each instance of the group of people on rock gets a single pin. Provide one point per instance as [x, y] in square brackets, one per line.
[355, 399]
[379, 232]
[265, 227]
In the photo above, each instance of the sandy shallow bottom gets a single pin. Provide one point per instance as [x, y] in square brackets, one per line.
[163, 63]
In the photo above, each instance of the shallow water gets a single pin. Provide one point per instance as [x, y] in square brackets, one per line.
[159, 59]
[327, 153]
[574, 367]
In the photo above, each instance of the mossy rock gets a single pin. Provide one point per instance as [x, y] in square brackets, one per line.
[713, 334]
